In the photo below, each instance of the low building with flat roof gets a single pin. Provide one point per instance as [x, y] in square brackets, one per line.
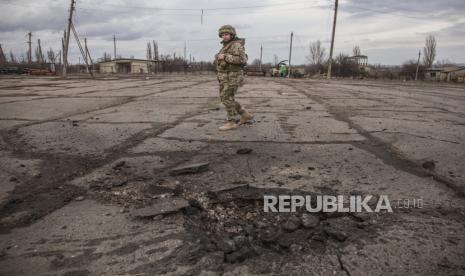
[127, 66]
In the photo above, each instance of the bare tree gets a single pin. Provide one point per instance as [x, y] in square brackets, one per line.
[256, 62]
[149, 51]
[12, 58]
[317, 53]
[60, 54]
[356, 51]
[155, 50]
[429, 51]
[51, 55]
[106, 57]
[2, 55]
[39, 54]
[343, 66]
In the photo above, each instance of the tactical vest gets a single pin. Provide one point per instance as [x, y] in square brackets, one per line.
[222, 65]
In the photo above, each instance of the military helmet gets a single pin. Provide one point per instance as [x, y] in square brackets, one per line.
[227, 29]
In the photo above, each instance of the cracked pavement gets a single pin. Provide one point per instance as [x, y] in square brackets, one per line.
[78, 155]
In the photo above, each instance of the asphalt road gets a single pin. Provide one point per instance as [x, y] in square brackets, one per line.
[79, 157]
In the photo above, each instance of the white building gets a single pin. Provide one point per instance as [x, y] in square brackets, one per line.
[126, 66]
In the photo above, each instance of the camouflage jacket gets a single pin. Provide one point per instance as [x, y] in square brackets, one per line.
[235, 57]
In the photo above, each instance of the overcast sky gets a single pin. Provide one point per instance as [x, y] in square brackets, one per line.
[388, 31]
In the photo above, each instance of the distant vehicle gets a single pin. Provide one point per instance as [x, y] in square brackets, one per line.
[280, 70]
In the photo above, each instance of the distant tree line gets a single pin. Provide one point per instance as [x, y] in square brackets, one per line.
[344, 65]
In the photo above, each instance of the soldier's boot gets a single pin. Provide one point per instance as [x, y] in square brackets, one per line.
[245, 117]
[228, 126]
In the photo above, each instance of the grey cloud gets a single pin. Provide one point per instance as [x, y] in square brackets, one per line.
[135, 25]
[457, 30]
[453, 9]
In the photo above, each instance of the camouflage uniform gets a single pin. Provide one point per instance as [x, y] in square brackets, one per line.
[230, 72]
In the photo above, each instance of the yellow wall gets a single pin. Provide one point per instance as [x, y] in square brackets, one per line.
[107, 67]
[136, 67]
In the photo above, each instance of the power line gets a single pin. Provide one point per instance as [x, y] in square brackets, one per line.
[200, 14]
[84, 7]
[209, 9]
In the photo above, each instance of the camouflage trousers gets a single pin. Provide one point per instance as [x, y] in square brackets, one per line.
[229, 83]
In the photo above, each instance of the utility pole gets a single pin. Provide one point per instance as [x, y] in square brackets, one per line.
[65, 53]
[40, 54]
[290, 55]
[87, 54]
[114, 46]
[29, 53]
[261, 54]
[85, 50]
[63, 45]
[185, 50]
[418, 65]
[332, 40]
[62, 52]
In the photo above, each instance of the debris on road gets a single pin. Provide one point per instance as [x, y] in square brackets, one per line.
[190, 169]
[429, 165]
[119, 165]
[310, 221]
[120, 183]
[291, 224]
[244, 151]
[163, 206]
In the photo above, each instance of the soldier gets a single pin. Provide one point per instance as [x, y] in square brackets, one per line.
[229, 66]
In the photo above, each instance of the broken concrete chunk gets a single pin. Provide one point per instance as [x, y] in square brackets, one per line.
[269, 234]
[240, 241]
[161, 207]
[336, 234]
[310, 221]
[79, 198]
[211, 262]
[429, 165]
[226, 245]
[119, 165]
[239, 255]
[297, 237]
[119, 183]
[291, 224]
[190, 169]
[244, 151]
